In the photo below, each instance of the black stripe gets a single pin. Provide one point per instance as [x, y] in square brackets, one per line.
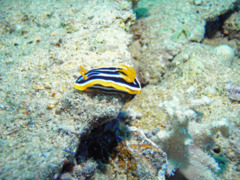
[102, 70]
[112, 70]
[114, 79]
[107, 90]
[95, 73]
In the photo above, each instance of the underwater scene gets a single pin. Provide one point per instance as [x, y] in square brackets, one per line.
[120, 89]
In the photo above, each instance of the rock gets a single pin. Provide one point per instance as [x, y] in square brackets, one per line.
[53, 39]
[118, 148]
[226, 54]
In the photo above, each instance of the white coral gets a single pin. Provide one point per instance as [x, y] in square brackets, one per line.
[185, 140]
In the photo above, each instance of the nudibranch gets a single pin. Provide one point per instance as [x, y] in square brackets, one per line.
[110, 80]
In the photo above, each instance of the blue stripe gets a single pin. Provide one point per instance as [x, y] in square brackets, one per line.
[107, 90]
[114, 79]
[108, 74]
[103, 71]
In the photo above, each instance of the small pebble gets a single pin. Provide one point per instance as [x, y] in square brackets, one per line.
[231, 155]
[155, 130]
[197, 2]
[147, 133]
[89, 168]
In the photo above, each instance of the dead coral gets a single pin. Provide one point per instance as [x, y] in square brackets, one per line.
[233, 91]
[185, 141]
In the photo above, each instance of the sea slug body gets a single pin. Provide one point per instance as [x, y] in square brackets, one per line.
[109, 80]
